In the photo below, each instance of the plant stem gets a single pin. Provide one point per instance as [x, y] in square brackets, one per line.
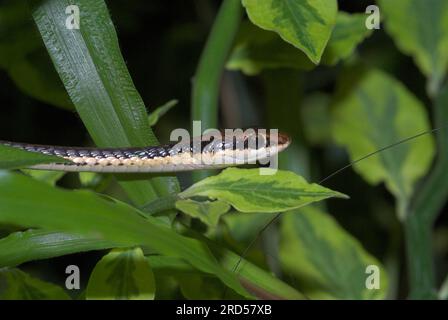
[428, 202]
[206, 83]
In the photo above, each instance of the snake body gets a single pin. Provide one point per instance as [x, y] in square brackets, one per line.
[193, 155]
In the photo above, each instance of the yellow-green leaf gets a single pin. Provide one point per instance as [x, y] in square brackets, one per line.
[256, 49]
[305, 24]
[325, 261]
[122, 274]
[420, 29]
[365, 121]
[349, 31]
[248, 191]
[84, 213]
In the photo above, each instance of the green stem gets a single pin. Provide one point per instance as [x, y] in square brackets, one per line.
[206, 83]
[428, 202]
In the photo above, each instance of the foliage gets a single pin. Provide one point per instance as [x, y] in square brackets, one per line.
[365, 122]
[310, 68]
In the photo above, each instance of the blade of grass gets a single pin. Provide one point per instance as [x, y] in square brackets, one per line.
[206, 83]
[94, 73]
[30, 245]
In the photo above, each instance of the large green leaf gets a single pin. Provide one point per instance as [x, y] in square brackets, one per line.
[325, 261]
[122, 274]
[349, 31]
[94, 73]
[30, 203]
[305, 24]
[365, 121]
[18, 285]
[420, 29]
[30, 245]
[256, 49]
[13, 158]
[20, 247]
[248, 191]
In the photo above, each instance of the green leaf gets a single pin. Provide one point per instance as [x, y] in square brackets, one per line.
[84, 213]
[420, 29]
[122, 274]
[23, 56]
[36, 77]
[38, 244]
[169, 266]
[256, 49]
[50, 177]
[20, 247]
[249, 191]
[18, 285]
[16, 36]
[30, 245]
[13, 158]
[88, 179]
[94, 73]
[208, 212]
[160, 111]
[349, 31]
[244, 227]
[364, 121]
[305, 24]
[326, 261]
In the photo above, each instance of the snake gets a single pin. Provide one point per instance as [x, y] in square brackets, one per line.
[204, 152]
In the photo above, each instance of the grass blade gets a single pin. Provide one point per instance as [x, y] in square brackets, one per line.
[94, 73]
